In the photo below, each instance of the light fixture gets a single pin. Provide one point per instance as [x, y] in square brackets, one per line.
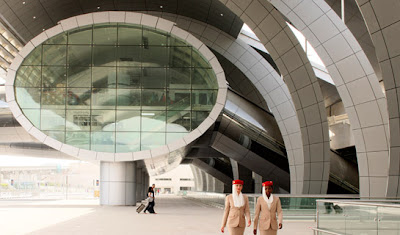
[34, 17]
[98, 8]
[23, 3]
[161, 7]
[148, 114]
[222, 14]
[43, 29]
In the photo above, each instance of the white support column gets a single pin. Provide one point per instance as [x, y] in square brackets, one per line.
[118, 183]
[139, 185]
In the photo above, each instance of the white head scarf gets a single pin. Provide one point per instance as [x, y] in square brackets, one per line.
[267, 200]
[238, 200]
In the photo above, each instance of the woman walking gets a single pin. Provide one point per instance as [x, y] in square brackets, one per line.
[150, 198]
[236, 208]
[268, 206]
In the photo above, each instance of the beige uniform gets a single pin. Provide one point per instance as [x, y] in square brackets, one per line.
[266, 218]
[234, 217]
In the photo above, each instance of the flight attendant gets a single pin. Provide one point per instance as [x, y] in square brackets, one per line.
[236, 208]
[268, 206]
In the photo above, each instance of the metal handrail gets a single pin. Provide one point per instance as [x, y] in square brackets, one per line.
[364, 203]
[324, 231]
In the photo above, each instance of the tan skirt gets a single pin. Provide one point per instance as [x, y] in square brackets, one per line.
[268, 232]
[236, 230]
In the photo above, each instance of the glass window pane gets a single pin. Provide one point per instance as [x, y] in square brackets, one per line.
[203, 99]
[152, 140]
[198, 60]
[129, 77]
[180, 56]
[178, 78]
[155, 56]
[204, 79]
[78, 98]
[104, 55]
[128, 99]
[54, 76]
[79, 55]
[173, 41]
[178, 121]
[78, 120]
[52, 119]
[198, 118]
[153, 99]
[57, 135]
[34, 58]
[171, 137]
[178, 100]
[103, 98]
[129, 35]
[59, 39]
[103, 142]
[104, 77]
[28, 97]
[54, 54]
[153, 38]
[128, 142]
[79, 76]
[153, 78]
[78, 139]
[53, 98]
[105, 34]
[153, 121]
[103, 120]
[80, 36]
[128, 120]
[33, 115]
[129, 55]
[29, 76]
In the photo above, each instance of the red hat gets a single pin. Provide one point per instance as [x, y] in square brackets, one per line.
[267, 183]
[237, 182]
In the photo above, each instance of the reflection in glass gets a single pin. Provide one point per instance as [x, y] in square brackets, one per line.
[54, 54]
[52, 120]
[104, 77]
[129, 34]
[153, 120]
[80, 36]
[104, 55]
[34, 58]
[128, 120]
[129, 55]
[178, 121]
[54, 76]
[153, 78]
[28, 97]
[34, 116]
[115, 87]
[79, 76]
[103, 120]
[128, 142]
[129, 77]
[78, 120]
[105, 34]
[53, 98]
[152, 140]
[155, 56]
[57, 135]
[29, 76]
[128, 99]
[78, 139]
[79, 55]
[103, 142]
[152, 98]
[103, 98]
[178, 78]
[78, 98]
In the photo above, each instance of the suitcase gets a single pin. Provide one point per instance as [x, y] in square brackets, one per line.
[140, 208]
